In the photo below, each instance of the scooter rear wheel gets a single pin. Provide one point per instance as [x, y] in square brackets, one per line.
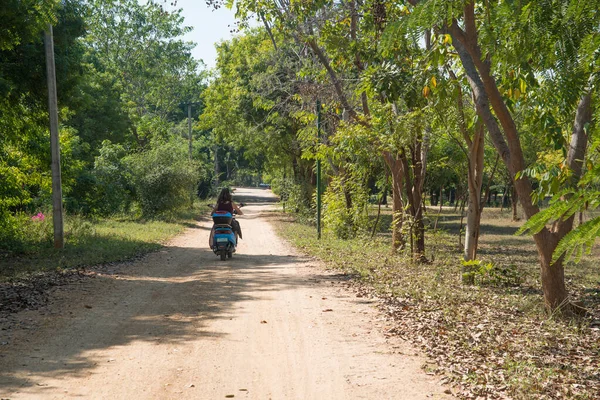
[223, 255]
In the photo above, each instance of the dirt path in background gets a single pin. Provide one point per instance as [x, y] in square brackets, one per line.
[180, 324]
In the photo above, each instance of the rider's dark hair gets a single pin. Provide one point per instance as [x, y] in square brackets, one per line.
[224, 196]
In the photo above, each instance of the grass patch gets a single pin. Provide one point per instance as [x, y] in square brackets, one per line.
[90, 242]
[492, 340]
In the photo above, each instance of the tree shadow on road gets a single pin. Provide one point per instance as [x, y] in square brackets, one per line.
[170, 297]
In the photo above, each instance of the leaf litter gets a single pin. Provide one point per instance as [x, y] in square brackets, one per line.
[485, 342]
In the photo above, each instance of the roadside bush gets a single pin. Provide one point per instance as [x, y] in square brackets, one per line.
[11, 235]
[295, 197]
[163, 177]
[20, 231]
[338, 218]
[346, 217]
[78, 230]
[489, 274]
[113, 189]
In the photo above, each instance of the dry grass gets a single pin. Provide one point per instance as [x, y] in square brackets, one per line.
[491, 340]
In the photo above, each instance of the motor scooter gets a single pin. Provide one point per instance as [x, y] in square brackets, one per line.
[224, 238]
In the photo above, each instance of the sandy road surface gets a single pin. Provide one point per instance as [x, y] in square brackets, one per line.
[180, 324]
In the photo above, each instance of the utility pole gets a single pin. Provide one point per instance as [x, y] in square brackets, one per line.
[189, 109]
[190, 131]
[318, 171]
[57, 209]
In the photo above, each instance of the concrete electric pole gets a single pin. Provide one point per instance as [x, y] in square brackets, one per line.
[57, 209]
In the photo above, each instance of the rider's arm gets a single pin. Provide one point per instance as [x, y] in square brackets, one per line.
[236, 208]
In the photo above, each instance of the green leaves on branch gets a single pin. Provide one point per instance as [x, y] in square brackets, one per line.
[563, 206]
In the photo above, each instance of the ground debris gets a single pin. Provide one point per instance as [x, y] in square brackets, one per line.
[483, 348]
[487, 341]
[32, 291]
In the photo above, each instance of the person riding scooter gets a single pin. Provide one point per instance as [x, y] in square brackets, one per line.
[225, 203]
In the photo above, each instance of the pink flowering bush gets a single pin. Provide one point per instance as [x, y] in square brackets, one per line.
[39, 217]
[39, 230]
[20, 232]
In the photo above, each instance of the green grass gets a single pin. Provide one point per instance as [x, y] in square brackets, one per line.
[489, 339]
[91, 242]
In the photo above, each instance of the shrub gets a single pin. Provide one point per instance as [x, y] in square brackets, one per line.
[346, 216]
[113, 189]
[163, 177]
[19, 232]
[294, 196]
[489, 274]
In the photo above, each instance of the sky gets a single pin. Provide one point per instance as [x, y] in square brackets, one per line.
[210, 26]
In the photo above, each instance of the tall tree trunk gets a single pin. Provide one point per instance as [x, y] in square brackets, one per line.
[514, 200]
[507, 143]
[475, 180]
[437, 218]
[396, 172]
[475, 156]
[414, 190]
[552, 274]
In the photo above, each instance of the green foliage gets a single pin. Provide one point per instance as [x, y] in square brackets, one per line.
[14, 231]
[23, 20]
[579, 241]
[122, 71]
[480, 273]
[253, 113]
[113, 186]
[162, 177]
[338, 217]
[562, 207]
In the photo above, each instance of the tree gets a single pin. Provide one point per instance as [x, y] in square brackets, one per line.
[253, 107]
[536, 29]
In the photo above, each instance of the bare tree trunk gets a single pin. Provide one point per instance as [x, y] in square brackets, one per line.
[216, 161]
[464, 199]
[414, 189]
[475, 156]
[553, 274]
[396, 172]
[378, 215]
[514, 199]
[475, 180]
[437, 218]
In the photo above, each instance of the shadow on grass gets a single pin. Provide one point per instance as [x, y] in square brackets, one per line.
[173, 300]
[90, 251]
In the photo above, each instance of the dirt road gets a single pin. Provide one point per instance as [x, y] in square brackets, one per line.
[180, 324]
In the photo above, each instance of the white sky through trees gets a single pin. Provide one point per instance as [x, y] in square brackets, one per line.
[210, 26]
